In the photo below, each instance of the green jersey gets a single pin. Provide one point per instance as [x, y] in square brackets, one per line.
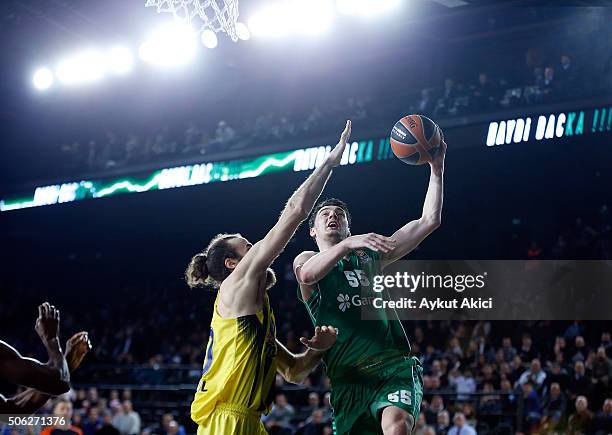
[363, 346]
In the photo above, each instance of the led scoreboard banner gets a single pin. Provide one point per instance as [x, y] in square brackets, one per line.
[533, 128]
[550, 126]
[191, 175]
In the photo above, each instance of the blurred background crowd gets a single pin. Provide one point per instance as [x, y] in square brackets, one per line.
[495, 377]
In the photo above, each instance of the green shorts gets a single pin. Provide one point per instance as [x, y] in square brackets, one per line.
[358, 403]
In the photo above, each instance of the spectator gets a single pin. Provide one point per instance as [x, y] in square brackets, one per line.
[224, 133]
[508, 349]
[580, 350]
[315, 423]
[62, 410]
[550, 87]
[93, 396]
[168, 427]
[484, 93]
[557, 374]
[527, 352]
[442, 423]
[127, 421]
[460, 426]
[602, 423]
[516, 369]
[567, 76]
[464, 384]
[419, 426]
[580, 384]
[93, 422]
[106, 427]
[535, 375]
[327, 409]
[490, 403]
[580, 421]
[602, 367]
[488, 376]
[508, 397]
[470, 414]
[278, 420]
[433, 410]
[314, 402]
[553, 407]
[532, 410]
[114, 402]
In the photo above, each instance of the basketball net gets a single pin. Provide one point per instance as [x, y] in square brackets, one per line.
[216, 15]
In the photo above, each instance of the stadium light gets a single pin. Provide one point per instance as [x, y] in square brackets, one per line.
[43, 78]
[170, 45]
[120, 60]
[296, 16]
[311, 16]
[85, 67]
[270, 22]
[209, 38]
[365, 7]
[243, 31]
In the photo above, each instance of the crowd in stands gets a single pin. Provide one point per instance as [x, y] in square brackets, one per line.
[543, 79]
[87, 412]
[490, 377]
[582, 238]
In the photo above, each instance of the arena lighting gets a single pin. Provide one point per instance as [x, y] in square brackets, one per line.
[311, 16]
[296, 16]
[243, 31]
[85, 67]
[170, 45]
[43, 78]
[120, 60]
[270, 22]
[365, 7]
[209, 38]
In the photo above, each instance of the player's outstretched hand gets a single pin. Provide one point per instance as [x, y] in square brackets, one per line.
[437, 164]
[336, 154]
[324, 338]
[76, 348]
[373, 241]
[47, 323]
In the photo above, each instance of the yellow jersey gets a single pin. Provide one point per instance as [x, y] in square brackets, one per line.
[239, 366]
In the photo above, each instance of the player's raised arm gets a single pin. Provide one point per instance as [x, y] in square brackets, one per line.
[413, 233]
[299, 205]
[31, 400]
[53, 377]
[310, 267]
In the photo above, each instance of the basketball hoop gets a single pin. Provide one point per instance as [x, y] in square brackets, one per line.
[216, 15]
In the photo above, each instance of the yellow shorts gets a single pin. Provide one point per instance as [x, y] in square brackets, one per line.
[228, 419]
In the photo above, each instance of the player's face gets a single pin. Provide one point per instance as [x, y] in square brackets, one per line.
[241, 247]
[330, 223]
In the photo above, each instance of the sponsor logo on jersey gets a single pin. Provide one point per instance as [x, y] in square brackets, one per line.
[344, 302]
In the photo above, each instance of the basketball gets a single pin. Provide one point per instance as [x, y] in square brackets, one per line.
[416, 139]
